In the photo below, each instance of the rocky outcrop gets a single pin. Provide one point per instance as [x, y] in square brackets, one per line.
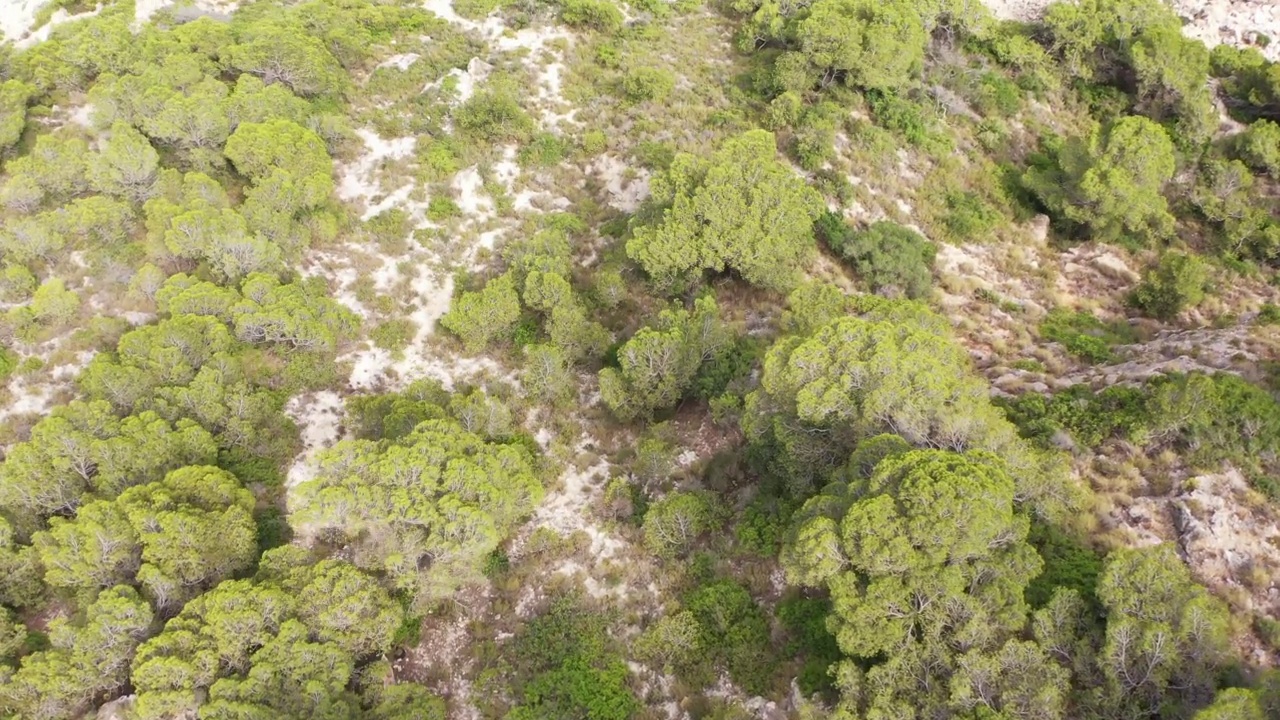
[1228, 534]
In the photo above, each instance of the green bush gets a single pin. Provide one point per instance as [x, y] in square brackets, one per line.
[543, 151]
[1259, 147]
[969, 216]
[494, 116]
[1067, 564]
[1084, 335]
[1175, 284]
[735, 633]
[394, 335]
[805, 622]
[886, 255]
[596, 14]
[442, 207]
[644, 83]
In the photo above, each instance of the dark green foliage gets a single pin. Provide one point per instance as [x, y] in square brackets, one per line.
[567, 669]
[394, 415]
[1175, 284]
[735, 632]
[543, 151]
[969, 218]
[1083, 334]
[888, 256]
[273, 528]
[1067, 564]
[760, 529]
[1117, 412]
[900, 115]
[808, 638]
[731, 363]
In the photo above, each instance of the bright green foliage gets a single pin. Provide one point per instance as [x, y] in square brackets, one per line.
[494, 116]
[55, 167]
[673, 523]
[673, 641]
[87, 661]
[1113, 183]
[53, 304]
[1138, 45]
[406, 701]
[83, 447]
[546, 374]
[1166, 636]
[289, 676]
[742, 211]
[895, 369]
[1233, 704]
[259, 150]
[1019, 680]
[892, 259]
[13, 111]
[928, 524]
[926, 555]
[1259, 146]
[298, 317]
[1177, 283]
[345, 606]
[647, 83]
[657, 366]
[600, 15]
[427, 509]
[127, 167]
[1225, 195]
[190, 530]
[866, 44]
[280, 54]
[478, 318]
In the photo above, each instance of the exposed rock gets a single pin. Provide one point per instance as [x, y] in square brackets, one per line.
[1114, 267]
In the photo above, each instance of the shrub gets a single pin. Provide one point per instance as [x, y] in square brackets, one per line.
[494, 116]
[442, 207]
[544, 150]
[594, 142]
[1176, 283]
[394, 335]
[596, 14]
[1259, 147]
[888, 256]
[647, 83]
[1083, 335]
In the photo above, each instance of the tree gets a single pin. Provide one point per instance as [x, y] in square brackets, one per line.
[127, 167]
[927, 555]
[546, 373]
[674, 522]
[190, 530]
[867, 44]
[1112, 183]
[82, 447]
[427, 508]
[1175, 284]
[53, 304]
[1233, 704]
[346, 607]
[673, 641]
[742, 210]
[86, 661]
[20, 569]
[478, 318]
[600, 15]
[13, 111]
[658, 364]
[1259, 147]
[894, 369]
[281, 54]
[259, 150]
[1166, 637]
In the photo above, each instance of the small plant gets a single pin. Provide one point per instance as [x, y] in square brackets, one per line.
[643, 83]
[1175, 284]
[442, 207]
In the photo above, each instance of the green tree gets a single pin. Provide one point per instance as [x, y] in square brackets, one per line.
[1233, 704]
[546, 374]
[742, 210]
[428, 508]
[1259, 147]
[1112, 183]
[288, 55]
[657, 365]
[673, 523]
[866, 44]
[87, 661]
[892, 259]
[259, 150]
[13, 111]
[478, 318]
[1166, 637]
[127, 167]
[673, 641]
[190, 530]
[53, 304]
[1175, 284]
